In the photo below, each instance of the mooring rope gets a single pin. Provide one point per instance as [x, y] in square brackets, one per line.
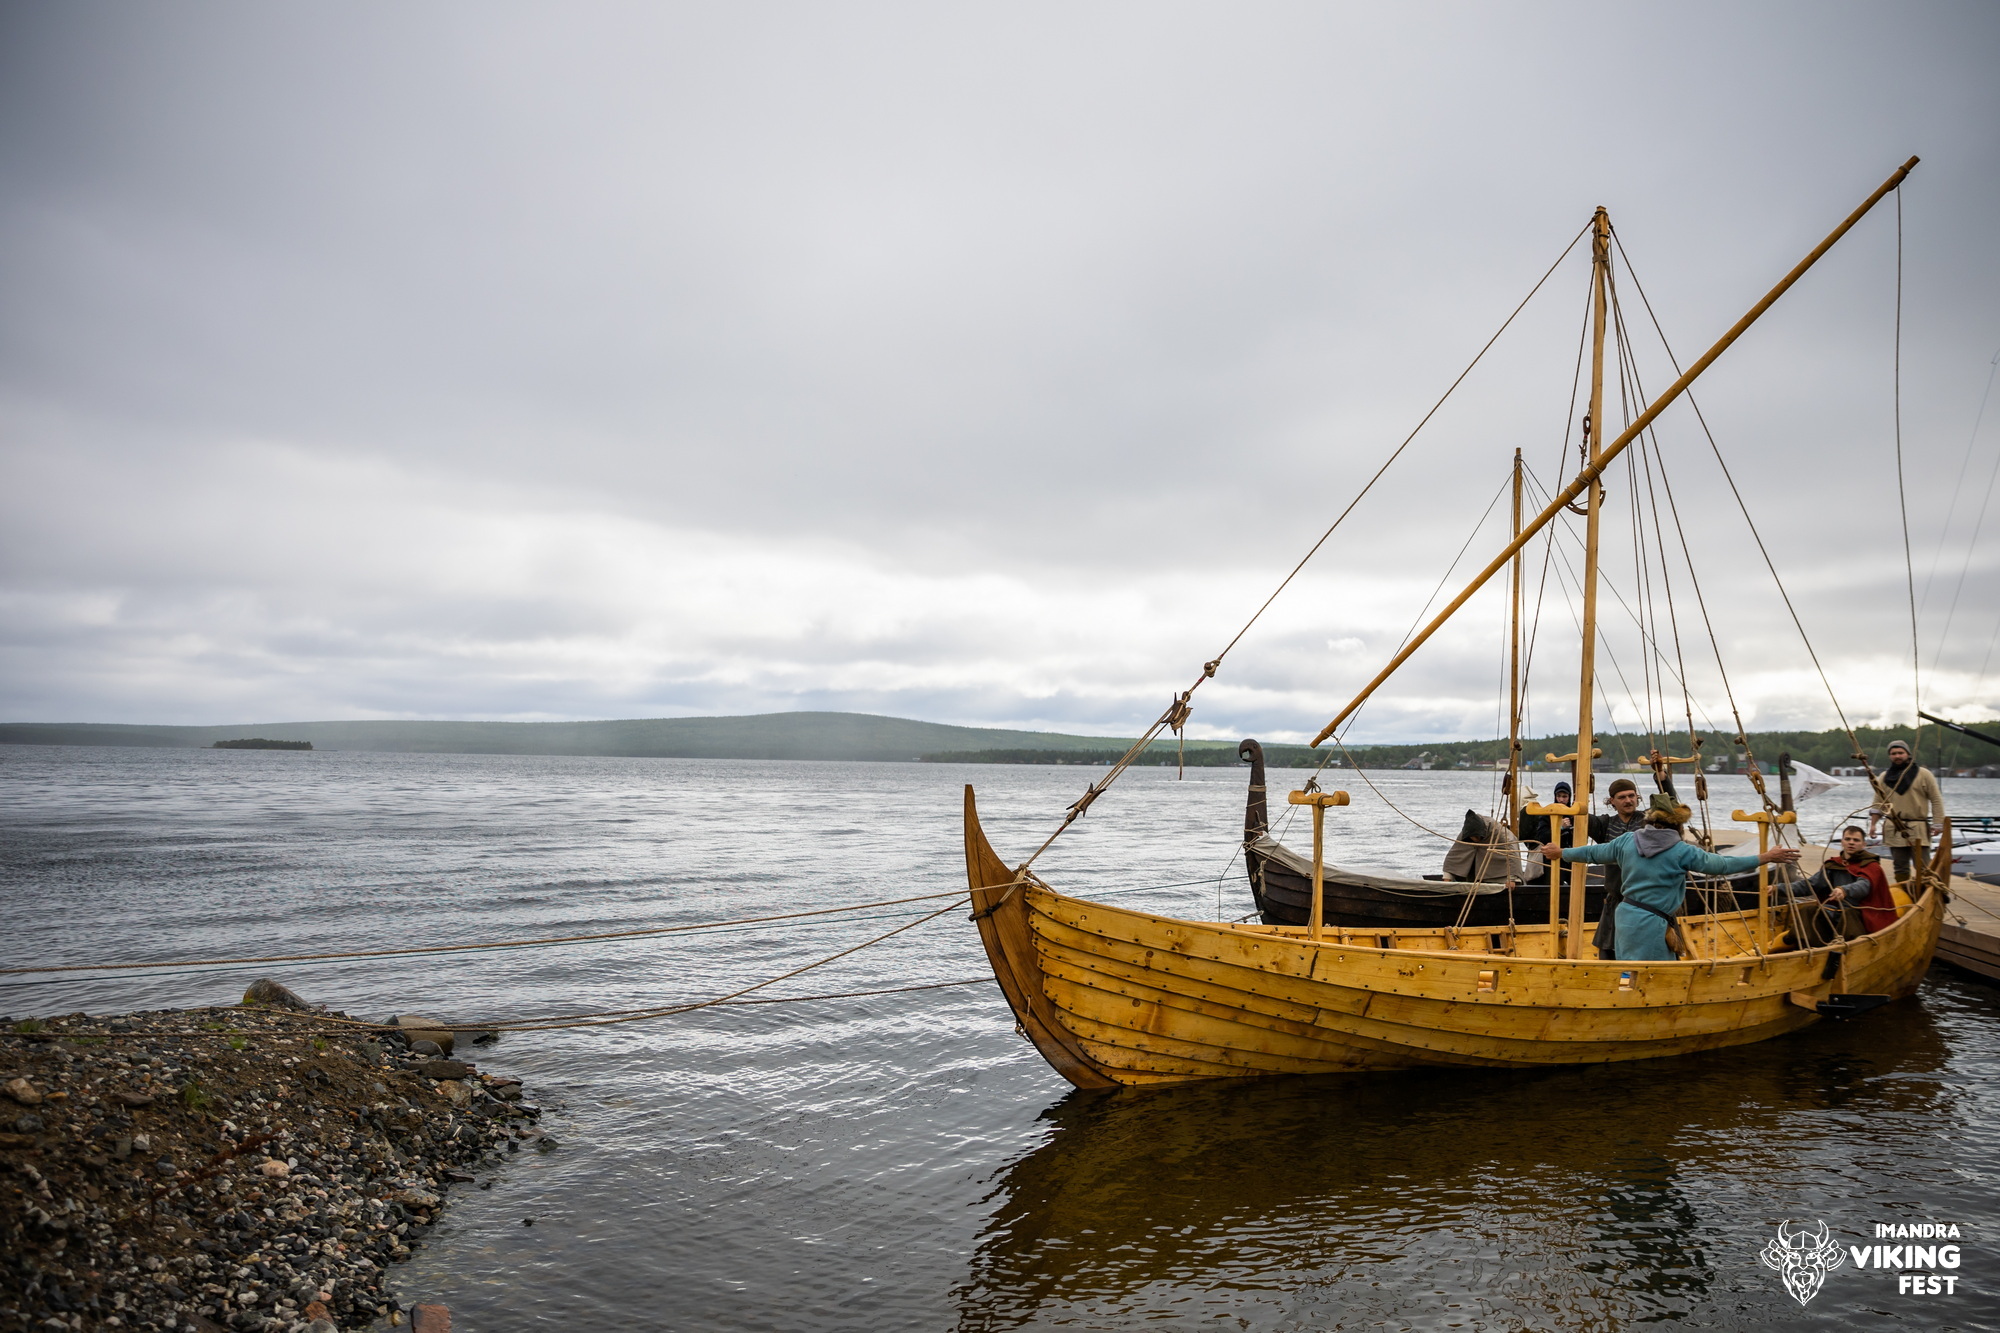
[593, 1018]
[349, 1025]
[464, 948]
[205, 965]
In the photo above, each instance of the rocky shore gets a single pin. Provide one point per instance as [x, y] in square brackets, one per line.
[241, 1168]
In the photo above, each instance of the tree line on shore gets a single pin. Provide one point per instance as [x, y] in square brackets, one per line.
[1827, 750]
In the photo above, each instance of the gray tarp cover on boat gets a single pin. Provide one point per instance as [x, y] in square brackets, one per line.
[1486, 850]
[1365, 877]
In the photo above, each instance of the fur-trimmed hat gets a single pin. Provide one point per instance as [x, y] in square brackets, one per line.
[1665, 810]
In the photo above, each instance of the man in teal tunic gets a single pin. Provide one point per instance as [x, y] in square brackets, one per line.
[1655, 862]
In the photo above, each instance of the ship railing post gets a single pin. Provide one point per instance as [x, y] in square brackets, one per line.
[1556, 927]
[1315, 921]
[1764, 819]
[1319, 801]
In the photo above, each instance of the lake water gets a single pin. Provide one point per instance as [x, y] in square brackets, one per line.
[905, 1161]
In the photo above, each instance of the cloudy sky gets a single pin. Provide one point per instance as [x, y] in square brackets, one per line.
[984, 364]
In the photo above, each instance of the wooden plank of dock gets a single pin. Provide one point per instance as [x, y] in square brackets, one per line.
[1970, 937]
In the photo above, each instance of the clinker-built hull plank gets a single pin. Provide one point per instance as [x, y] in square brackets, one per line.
[1532, 999]
[1204, 1012]
[1116, 997]
[1169, 1033]
[1208, 1026]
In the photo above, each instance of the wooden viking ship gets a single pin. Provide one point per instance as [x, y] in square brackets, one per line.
[1115, 997]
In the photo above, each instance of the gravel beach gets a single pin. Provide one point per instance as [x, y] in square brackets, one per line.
[235, 1167]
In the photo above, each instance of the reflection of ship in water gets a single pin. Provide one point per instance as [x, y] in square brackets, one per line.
[1570, 1199]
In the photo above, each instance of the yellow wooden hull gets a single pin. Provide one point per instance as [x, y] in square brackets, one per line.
[1115, 997]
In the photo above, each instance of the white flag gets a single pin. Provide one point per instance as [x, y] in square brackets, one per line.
[1808, 782]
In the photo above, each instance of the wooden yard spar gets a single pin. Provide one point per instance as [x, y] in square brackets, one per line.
[1114, 997]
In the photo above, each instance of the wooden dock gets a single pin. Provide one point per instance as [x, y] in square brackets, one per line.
[1970, 937]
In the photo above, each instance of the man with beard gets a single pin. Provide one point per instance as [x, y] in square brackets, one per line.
[1909, 799]
[1625, 817]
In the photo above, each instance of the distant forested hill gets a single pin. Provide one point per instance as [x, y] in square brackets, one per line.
[864, 736]
[849, 736]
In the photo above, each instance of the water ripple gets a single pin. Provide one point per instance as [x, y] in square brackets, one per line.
[905, 1161]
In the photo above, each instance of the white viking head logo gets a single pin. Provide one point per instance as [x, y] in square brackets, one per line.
[1803, 1256]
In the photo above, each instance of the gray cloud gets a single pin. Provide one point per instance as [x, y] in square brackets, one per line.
[984, 365]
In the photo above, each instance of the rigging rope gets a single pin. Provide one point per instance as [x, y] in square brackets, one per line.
[1363, 492]
[1178, 708]
[1445, 578]
[1700, 783]
[1564, 584]
[1902, 499]
[1313, 781]
[1363, 775]
[1972, 544]
[1655, 457]
[1755, 774]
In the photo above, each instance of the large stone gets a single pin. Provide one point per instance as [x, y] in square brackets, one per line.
[273, 996]
[425, 1029]
[24, 1092]
[430, 1319]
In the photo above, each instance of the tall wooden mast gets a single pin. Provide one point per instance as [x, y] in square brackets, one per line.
[1588, 477]
[1514, 671]
[1600, 272]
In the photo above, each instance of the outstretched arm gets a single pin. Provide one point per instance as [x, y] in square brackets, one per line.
[1708, 863]
[1596, 853]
